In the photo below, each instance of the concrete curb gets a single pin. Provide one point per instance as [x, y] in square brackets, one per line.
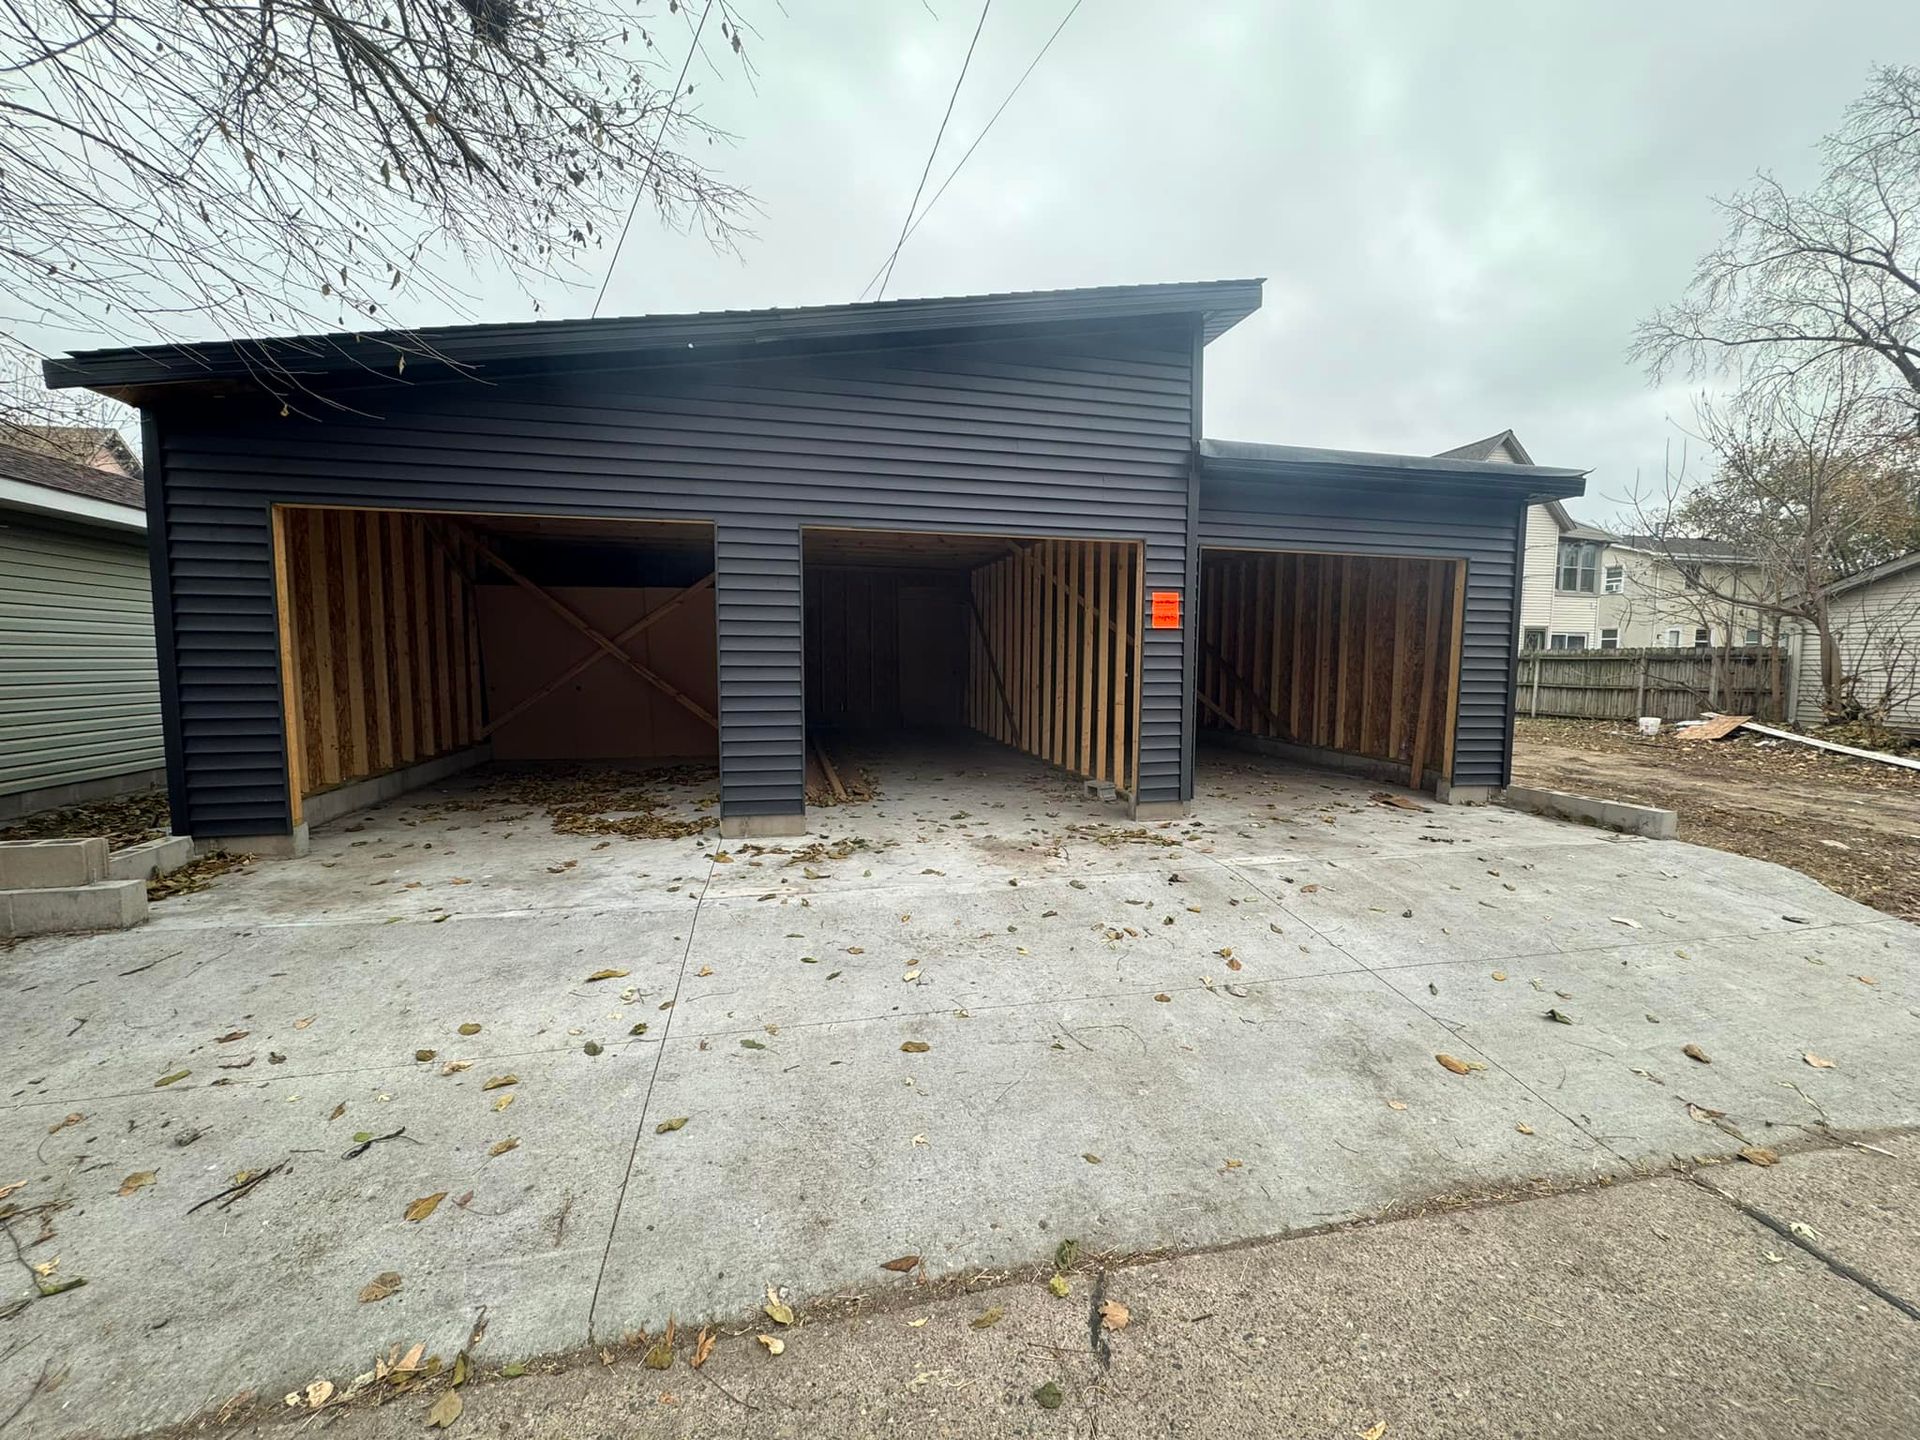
[150, 859]
[1607, 814]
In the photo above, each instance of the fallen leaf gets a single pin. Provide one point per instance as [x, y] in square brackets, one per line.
[607, 975]
[424, 1055]
[1114, 1315]
[318, 1393]
[230, 1037]
[425, 1205]
[702, 1346]
[1059, 1286]
[594, 1047]
[751, 1044]
[454, 1067]
[445, 1410]
[1703, 1113]
[1396, 1104]
[496, 1081]
[411, 1360]
[1623, 920]
[987, 1318]
[470, 1028]
[914, 1047]
[1866, 980]
[504, 1101]
[1559, 1017]
[74, 1119]
[666, 1127]
[901, 1265]
[6, 1190]
[380, 1287]
[501, 1147]
[704, 971]
[1373, 1431]
[1759, 1155]
[1164, 999]
[139, 1180]
[775, 1345]
[1233, 964]
[513, 1371]
[303, 1024]
[777, 1309]
[1523, 1127]
[659, 1355]
[1456, 1065]
[1090, 1157]
[1695, 1053]
[174, 1078]
[1048, 1396]
[1500, 975]
[1818, 1062]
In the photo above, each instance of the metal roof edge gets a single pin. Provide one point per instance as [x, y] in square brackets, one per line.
[1251, 459]
[1222, 303]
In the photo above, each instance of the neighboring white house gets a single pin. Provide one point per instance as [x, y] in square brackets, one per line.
[79, 686]
[1584, 588]
[1876, 627]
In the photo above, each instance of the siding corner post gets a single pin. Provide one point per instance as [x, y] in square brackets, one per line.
[1187, 715]
[153, 466]
[759, 609]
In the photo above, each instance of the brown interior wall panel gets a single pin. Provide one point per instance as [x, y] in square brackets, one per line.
[375, 612]
[1056, 674]
[1342, 652]
[606, 711]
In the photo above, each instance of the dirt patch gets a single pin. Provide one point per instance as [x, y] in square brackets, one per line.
[668, 802]
[124, 820]
[1853, 825]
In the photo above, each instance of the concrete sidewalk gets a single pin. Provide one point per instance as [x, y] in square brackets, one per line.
[1651, 1308]
[1148, 1038]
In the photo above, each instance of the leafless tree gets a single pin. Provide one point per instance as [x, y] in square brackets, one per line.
[175, 168]
[1801, 280]
[30, 414]
[1805, 485]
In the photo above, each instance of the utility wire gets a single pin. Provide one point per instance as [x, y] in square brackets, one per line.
[975, 146]
[665, 119]
[927, 169]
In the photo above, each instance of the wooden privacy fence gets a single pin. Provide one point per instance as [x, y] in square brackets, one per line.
[1343, 652]
[1625, 684]
[1054, 659]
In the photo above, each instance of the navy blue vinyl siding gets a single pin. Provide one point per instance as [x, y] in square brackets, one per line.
[1483, 532]
[1086, 434]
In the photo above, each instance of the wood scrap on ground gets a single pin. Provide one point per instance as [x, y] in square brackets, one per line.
[1880, 755]
[826, 785]
[1716, 727]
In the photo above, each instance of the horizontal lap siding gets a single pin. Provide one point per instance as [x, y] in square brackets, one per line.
[1085, 436]
[1484, 533]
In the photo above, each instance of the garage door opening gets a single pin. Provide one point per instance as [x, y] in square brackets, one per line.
[413, 645]
[923, 648]
[1346, 660]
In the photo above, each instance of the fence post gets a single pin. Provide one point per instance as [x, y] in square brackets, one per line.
[1640, 693]
[1534, 707]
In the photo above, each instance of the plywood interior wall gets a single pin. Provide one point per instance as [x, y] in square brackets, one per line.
[605, 711]
[1344, 652]
[379, 648]
[1053, 663]
[885, 647]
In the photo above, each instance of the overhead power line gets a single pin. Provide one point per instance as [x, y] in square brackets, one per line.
[927, 169]
[916, 220]
[666, 118]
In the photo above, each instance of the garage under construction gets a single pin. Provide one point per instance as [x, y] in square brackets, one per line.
[1030, 642]
[411, 638]
[1351, 655]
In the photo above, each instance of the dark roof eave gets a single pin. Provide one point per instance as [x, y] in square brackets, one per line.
[1239, 460]
[1221, 304]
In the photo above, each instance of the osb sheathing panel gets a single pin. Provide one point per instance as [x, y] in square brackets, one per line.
[1343, 652]
[379, 653]
[606, 712]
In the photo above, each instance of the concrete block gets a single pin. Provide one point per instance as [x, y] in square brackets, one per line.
[1645, 820]
[48, 864]
[1448, 793]
[72, 909]
[754, 827]
[151, 858]
[268, 847]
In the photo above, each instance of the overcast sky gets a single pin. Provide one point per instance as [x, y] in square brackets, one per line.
[1460, 209]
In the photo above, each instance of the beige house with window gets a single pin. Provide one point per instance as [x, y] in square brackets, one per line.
[1584, 588]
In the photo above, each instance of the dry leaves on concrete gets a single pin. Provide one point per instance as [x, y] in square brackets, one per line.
[172, 1079]
[1759, 1155]
[1695, 1054]
[1457, 1065]
[901, 1265]
[775, 1345]
[498, 1081]
[501, 1147]
[139, 1180]
[74, 1119]
[1818, 1062]
[667, 1127]
[445, 1411]
[914, 1047]
[988, 1318]
[425, 1205]
[607, 975]
[702, 1346]
[1114, 1315]
[777, 1309]
[1048, 1396]
[386, 1283]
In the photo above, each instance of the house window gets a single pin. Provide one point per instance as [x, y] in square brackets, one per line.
[1609, 639]
[1702, 638]
[1672, 639]
[1579, 565]
[1616, 579]
[1567, 642]
[1535, 638]
[1752, 635]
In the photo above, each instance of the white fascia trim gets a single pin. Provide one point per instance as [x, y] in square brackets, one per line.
[39, 500]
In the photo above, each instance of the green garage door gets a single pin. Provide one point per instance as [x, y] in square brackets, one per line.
[79, 689]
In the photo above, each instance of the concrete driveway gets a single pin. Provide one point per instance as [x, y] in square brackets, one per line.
[1144, 1038]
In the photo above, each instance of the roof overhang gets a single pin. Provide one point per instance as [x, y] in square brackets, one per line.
[1304, 465]
[18, 497]
[1219, 304]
